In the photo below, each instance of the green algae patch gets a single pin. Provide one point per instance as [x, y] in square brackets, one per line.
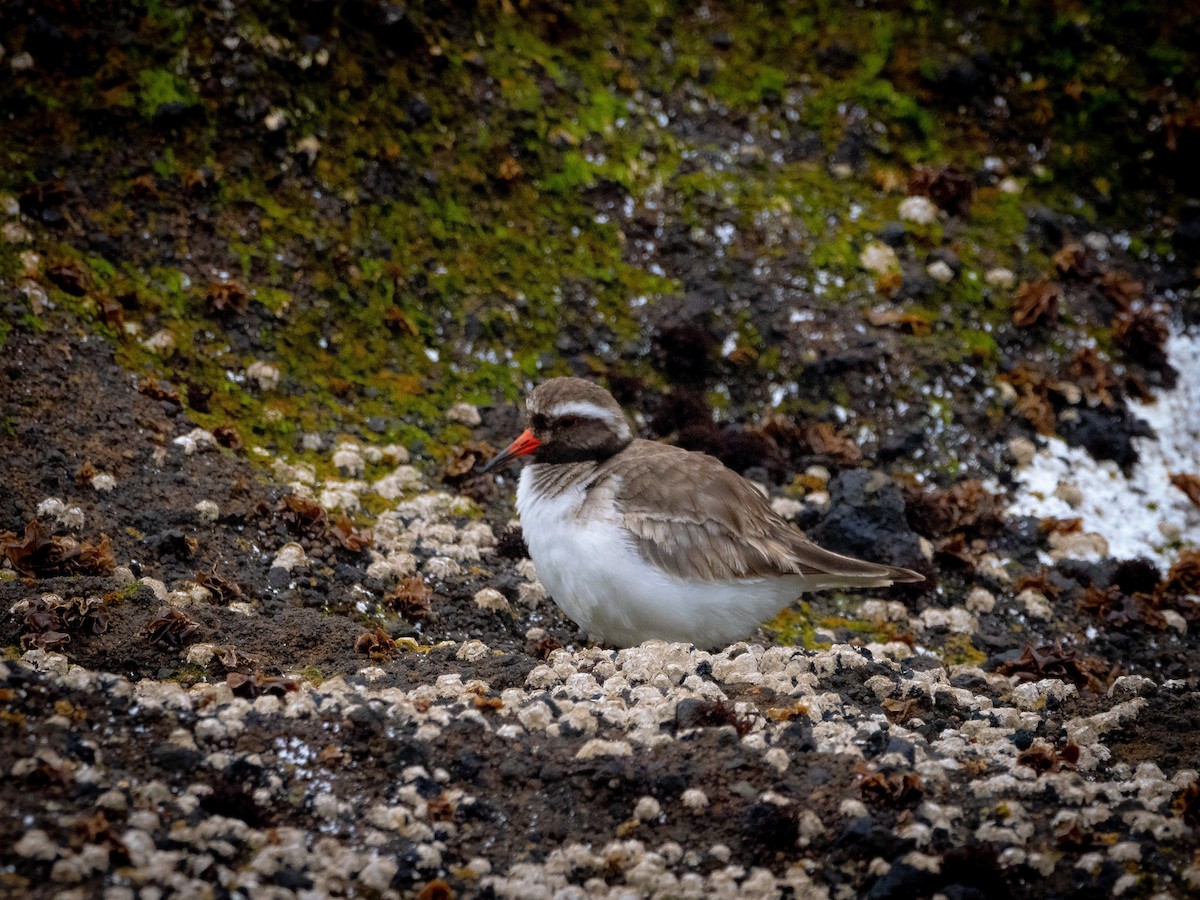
[451, 206]
[158, 89]
[794, 628]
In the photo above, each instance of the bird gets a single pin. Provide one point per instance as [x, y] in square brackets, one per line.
[638, 540]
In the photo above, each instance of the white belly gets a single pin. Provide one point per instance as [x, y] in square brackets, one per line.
[594, 573]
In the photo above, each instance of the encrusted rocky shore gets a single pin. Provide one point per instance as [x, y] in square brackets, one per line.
[274, 278]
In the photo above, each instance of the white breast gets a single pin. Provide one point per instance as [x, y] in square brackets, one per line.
[593, 571]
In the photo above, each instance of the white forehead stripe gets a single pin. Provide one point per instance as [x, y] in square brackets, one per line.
[589, 410]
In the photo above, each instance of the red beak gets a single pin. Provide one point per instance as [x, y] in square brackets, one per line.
[522, 446]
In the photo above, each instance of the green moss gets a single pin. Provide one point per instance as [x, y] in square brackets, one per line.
[958, 650]
[413, 264]
[794, 628]
[158, 88]
[188, 674]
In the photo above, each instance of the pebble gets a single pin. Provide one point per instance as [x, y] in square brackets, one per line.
[36, 844]
[918, 209]
[289, 556]
[195, 441]
[264, 374]
[879, 258]
[1022, 450]
[647, 809]
[162, 342]
[348, 459]
[980, 600]
[600, 747]
[15, 233]
[1000, 277]
[1082, 545]
[492, 599]
[1035, 605]
[207, 511]
[464, 414]
[939, 270]
[694, 799]
[103, 482]
[1069, 493]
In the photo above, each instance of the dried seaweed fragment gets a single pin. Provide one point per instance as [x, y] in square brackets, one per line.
[347, 536]
[225, 589]
[1189, 484]
[1043, 758]
[898, 790]
[226, 298]
[1186, 803]
[811, 438]
[949, 188]
[301, 515]
[171, 626]
[1183, 578]
[48, 621]
[1053, 661]
[1121, 288]
[41, 554]
[377, 644]
[967, 506]
[82, 614]
[308, 519]
[1142, 332]
[1036, 302]
[410, 598]
[257, 684]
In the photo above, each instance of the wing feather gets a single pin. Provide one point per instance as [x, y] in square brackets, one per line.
[693, 517]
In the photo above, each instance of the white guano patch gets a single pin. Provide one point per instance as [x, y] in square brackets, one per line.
[1142, 514]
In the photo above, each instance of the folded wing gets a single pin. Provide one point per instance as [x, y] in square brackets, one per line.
[703, 522]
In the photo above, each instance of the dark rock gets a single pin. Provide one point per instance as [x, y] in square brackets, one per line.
[864, 837]
[1046, 227]
[774, 828]
[917, 285]
[901, 442]
[894, 234]
[798, 736]
[171, 543]
[175, 759]
[1022, 739]
[1136, 576]
[946, 255]
[1105, 434]
[866, 519]
[1187, 233]
[418, 110]
[685, 353]
[903, 880]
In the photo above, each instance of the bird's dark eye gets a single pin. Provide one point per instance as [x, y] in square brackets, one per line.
[568, 421]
